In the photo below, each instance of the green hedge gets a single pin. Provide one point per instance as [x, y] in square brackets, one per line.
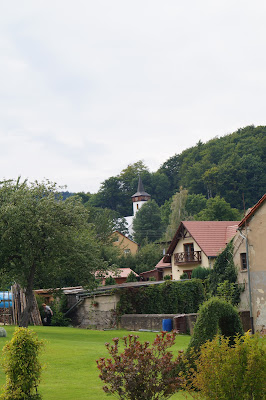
[170, 297]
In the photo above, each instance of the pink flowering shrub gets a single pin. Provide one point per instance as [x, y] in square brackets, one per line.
[142, 370]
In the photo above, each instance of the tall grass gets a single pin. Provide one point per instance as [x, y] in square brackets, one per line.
[69, 357]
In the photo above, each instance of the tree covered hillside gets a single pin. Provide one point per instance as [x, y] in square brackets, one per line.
[229, 167]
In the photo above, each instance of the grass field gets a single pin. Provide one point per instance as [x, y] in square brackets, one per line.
[69, 357]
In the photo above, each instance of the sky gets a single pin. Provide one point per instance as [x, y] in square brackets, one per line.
[88, 87]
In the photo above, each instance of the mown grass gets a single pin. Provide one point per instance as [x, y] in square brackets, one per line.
[69, 357]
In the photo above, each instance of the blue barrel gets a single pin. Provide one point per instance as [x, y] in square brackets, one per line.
[5, 299]
[167, 325]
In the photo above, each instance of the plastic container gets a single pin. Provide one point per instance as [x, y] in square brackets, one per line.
[5, 299]
[167, 325]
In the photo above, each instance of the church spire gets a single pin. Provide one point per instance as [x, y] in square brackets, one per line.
[140, 197]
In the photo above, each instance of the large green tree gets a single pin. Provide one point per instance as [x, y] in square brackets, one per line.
[43, 237]
[147, 224]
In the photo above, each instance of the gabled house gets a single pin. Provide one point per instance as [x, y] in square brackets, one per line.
[250, 259]
[126, 245]
[197, 243]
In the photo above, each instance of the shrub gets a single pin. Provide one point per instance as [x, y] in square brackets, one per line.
[229, 292]
[200, 273]
[184, 276]
[215, 316]
[141, 371]
[167, 277]
[131, 277]
[223, 270]
[59, 319]
[230, 372]
[21, 366]
[110, 281]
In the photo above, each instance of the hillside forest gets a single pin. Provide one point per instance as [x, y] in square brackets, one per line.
[216, 180]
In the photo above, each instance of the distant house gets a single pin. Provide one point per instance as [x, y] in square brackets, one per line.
[159, 272]
[250, 259]
[120, 276]
[126, 245]
[197, 243]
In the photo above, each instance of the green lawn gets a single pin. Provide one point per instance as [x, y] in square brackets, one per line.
[69, 357]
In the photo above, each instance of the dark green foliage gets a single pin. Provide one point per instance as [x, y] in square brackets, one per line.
[59, 319]
[170, 297]
[195, 203]
[215, 316]
[144, 260]
[110, 281]
[147, 257]
[217, 209]
[131, 277]
[225, 270]
[147, 224]
[167, 277]
[184, 276]
[200, 273]
[22, 366]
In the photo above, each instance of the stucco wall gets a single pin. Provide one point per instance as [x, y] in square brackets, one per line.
[124, 243]
[167, 271]
[256, 234]
[177, 270]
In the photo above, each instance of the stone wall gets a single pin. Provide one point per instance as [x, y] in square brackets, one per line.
[184, 323]
[96, 312]
[135, 322]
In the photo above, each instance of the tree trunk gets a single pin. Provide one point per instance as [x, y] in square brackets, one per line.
[25, 316]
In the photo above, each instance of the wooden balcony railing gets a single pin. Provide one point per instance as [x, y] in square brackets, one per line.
[187, 258]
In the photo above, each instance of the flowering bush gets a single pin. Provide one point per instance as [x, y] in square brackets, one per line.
[141, 371]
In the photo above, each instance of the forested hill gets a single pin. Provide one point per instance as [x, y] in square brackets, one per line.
[230, 166]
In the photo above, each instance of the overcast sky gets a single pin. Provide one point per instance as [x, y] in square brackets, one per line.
[88, 87]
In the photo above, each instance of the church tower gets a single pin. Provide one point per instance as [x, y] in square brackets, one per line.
[139, 198]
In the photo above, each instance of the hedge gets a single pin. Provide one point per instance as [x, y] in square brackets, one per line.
[170, 297]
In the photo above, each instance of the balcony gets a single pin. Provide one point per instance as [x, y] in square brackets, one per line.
[193, 257]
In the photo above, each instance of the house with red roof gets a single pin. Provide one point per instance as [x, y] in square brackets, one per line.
[197, 243]
[250, 259]
[159, 272]
[120, 275]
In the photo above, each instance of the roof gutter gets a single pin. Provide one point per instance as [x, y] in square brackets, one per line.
[249, 285]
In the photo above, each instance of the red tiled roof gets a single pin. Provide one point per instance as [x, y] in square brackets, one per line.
[162, 264]
[211, 236]
[252, 211]
[120, 273]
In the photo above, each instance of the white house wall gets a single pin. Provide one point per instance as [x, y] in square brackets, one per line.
[177, 270]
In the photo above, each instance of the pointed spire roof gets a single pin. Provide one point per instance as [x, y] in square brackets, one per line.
[140, 191]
